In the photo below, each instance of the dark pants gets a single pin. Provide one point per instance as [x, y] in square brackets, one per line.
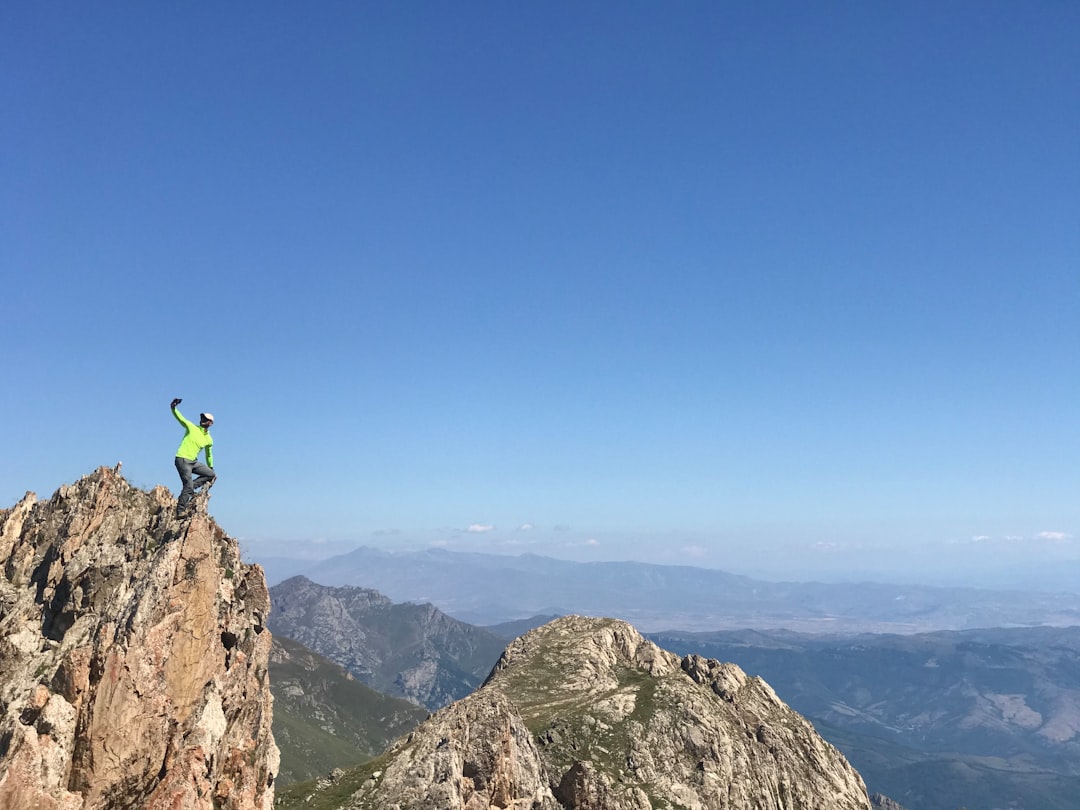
[188, 467]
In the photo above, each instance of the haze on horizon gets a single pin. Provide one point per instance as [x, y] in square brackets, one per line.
[771, 288]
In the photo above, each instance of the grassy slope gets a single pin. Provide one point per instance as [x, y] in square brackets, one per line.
[325, 719]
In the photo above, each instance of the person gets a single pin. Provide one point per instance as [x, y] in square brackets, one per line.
[196, 438]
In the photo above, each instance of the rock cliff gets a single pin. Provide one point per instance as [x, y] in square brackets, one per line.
[133, 656]
[585, 714]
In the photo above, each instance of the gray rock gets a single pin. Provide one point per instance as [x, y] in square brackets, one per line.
[585, 714]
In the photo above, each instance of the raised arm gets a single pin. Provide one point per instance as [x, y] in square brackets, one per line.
[179, 416]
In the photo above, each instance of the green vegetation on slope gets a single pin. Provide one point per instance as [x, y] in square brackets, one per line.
[326, 719]
[328, 794]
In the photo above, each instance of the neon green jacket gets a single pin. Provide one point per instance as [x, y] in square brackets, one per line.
[195, 440]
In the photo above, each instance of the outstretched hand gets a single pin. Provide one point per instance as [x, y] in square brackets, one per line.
[175, 402]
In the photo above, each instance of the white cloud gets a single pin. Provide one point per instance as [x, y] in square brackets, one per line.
[480, 528]
[825, 547]
[980, 538]
[1057, 537]
[526, 527]
[592, 542]
[697, 552]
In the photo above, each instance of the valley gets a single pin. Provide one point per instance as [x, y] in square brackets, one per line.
[934, 720]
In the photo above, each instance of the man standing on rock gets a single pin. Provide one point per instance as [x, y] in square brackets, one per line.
[196, 438]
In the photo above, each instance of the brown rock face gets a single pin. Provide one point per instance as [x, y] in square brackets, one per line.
[133, 656]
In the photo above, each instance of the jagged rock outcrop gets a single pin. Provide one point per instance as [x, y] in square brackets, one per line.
[406, 650]
[585, 714]
[133, 656]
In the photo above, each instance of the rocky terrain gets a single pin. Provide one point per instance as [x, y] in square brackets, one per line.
[978, 718]
[939, 721]
[585, 714]
[412, 651]
[133, 656]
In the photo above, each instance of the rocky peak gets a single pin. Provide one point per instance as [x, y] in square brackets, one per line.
[133, 656]
[585, 714]
[300, 595]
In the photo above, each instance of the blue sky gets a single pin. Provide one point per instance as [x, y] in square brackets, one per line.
[772, 287]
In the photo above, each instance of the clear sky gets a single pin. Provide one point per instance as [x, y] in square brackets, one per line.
[745, 285]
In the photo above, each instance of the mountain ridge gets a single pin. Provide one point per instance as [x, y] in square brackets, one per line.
[658, 598]
[938, 720]
[838, 682]
[408, 650]
[586, 714]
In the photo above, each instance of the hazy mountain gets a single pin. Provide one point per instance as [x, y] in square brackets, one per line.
[659, 597]
[414, 651]
[982, 718]
[936, 721]
[324, 718]
[587, 714]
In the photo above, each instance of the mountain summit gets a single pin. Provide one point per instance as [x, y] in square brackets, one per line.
[133, 656]
[585, 714]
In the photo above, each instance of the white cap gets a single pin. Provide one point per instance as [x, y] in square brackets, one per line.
[207, 416]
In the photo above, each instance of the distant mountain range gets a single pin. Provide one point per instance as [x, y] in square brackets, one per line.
[935, 720]
[978, 719]
[585, 713]
[490, 589]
